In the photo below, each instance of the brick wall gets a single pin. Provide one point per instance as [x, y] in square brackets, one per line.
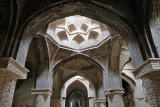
[7, 88]
[151, 83]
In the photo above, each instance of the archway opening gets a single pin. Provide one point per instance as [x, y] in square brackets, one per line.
[77, 95]
[86, 54]
[71, 32]
[128, 95]
[77, 100]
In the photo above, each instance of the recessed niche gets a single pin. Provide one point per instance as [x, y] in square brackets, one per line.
[84, 28]
[78, 38]
[62, 35]
[71, 28]
[93, 35]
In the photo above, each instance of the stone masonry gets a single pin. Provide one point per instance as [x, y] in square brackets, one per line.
[7, 84]
[150, 74]
[100, 103]
[151, 84]
[115, 98]
[10, 71]
[43, 97]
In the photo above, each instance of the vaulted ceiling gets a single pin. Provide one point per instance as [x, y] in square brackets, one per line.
[17, 14]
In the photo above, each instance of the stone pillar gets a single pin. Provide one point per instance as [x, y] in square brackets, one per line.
[149, 72]
[115, 98]
[43, 97]
[63, 102]
[56, 103]
[91, 102]
[10, 71]
[100, 103]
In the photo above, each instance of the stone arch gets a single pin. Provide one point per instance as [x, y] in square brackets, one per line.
[105, 15]
[73, 79]
[130, 81]
[129, 66]
[76, 103]
[79, 82]
[37, 61]
[24, 47]
[74, 87]
[42, 64]
[128, 95]
[98, 90]
[129, 77]
[85, 57]
[89, 59]
[138, 91]
[81, 75]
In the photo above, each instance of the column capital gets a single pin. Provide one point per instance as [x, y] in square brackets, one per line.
[114, 91]
[63, 97]
[90, 97]
[41, 92]
[115, 95]
[100, 100]
[11, 66]
[149, 66]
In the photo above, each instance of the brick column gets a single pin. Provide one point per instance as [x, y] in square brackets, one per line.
[10, 71]
[100, 103]
[43, 97]
[149, 72]
[115, 98]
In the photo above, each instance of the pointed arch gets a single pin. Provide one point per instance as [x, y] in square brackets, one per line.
[87, 84]
[82, 56]
[106, 15]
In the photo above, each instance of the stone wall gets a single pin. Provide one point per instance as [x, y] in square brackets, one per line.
[23, 95]
[137, 89]
[7, 87]
[116, 101]
[151, 83]
[56, 103]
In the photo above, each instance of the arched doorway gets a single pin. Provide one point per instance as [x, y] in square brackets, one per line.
[77, 95]
[77, 99]
[128, 96]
